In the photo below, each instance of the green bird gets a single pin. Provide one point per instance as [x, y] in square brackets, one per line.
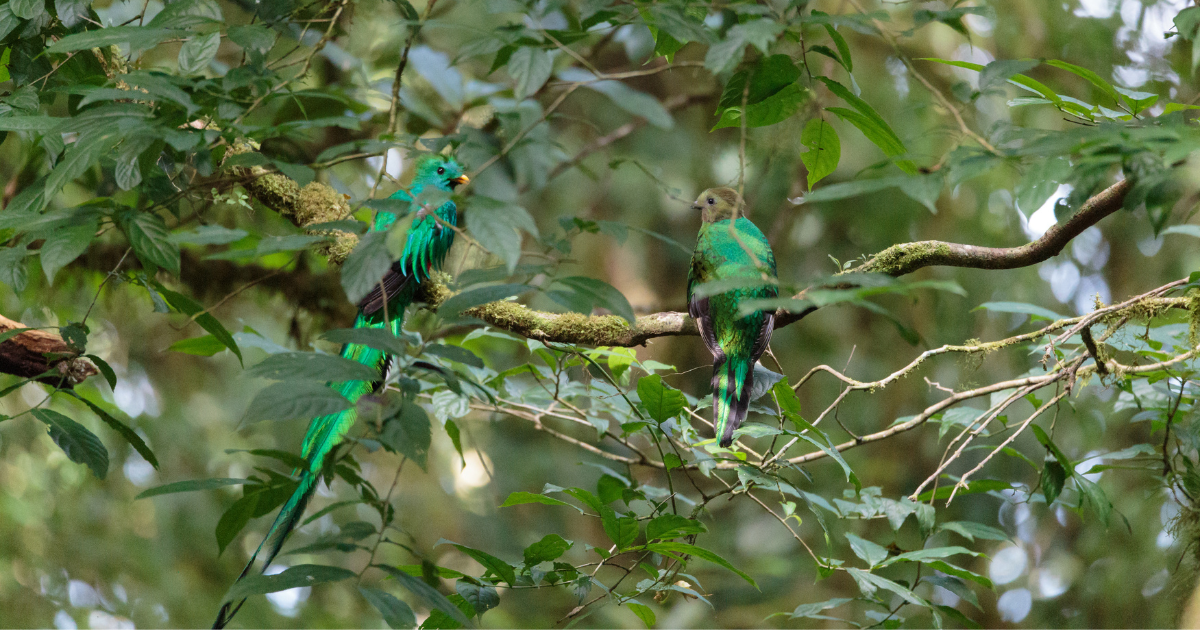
[730, 248]
[424, 250]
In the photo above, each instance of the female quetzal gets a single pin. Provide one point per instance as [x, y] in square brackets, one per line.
[425, 249]
[730, 247]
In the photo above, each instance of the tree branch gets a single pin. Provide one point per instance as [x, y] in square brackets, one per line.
[899, 260]
[33, 353]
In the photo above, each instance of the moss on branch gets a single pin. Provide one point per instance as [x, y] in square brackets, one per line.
[317, 203]
[314, 203]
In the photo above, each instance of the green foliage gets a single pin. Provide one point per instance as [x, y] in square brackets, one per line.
[194, 162]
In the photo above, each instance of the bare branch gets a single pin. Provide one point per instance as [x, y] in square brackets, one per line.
[33, 353]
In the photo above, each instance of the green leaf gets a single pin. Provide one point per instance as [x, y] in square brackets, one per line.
[972, 530]
[495, 225]
[1036, 312]
[1002, 70]
[81, 156]
[454, 353]
[204, 346]
[1053, 478]
[975, 487]
[138, 38]
[868, 583]
[191, 486]
[27, 9]
[234, 519]
[775, 108]
[123, 429]
[197, 52]
[680, 548]
[954, 585]
[774, 94]
[598, 293]
[407, 11]
[378, 338]
[148, 235]
[520, 498]
[667, 526]
[622, 530]
[643, 612]
[209, 235]
[550, 547]
[637, 103]
[868, 551]
[104, 367]
[295, 577]
[80, 445]
[925, 555]
[496, 566]
[870, 123]
[1187, 230]
[482, 598]
[365, 266]
[530, 68]
[62, 246]
[189, 307]
[395, 613]
[480, 295]
[287, 366]
[1051, 447]
[427, 593]
[813, 610]
[1040, 181]
[843, 48]
[1090, 76]
[825, 150]
[1096, 498]
[661, 401]
[831, 450]
[1187, 22]
[960, 572]
[294, 400]
[408, 432]
[37, 124]
[299, 173]
[253, 37]
[160, 86]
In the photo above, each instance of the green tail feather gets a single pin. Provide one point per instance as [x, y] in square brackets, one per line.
[324, 434]
[732, 381]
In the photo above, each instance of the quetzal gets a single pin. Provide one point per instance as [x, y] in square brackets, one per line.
[730, 247]
[424, 250]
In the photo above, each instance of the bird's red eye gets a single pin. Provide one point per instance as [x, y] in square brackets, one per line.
[441, 170]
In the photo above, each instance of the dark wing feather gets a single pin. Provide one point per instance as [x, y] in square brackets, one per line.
[394, 282]
[698, 308]
[764, 336]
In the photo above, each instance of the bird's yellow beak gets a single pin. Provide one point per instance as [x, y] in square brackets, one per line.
[460, 180]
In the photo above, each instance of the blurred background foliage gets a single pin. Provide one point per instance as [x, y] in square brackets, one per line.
[624, 158]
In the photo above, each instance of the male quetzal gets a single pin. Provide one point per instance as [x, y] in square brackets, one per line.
[729, 247]
[425, 249]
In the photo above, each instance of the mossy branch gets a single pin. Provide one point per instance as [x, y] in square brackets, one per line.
[318, 203]
[314, 203]
[906, 258]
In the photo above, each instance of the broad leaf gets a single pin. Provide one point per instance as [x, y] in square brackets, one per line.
[80, 445]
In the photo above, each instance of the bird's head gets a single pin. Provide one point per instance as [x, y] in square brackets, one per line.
[440, 171]
[718, 204]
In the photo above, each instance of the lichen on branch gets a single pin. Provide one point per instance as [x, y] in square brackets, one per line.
[304, 206]
[317, 203]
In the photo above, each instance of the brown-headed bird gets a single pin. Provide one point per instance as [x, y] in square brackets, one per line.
[730, 251]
